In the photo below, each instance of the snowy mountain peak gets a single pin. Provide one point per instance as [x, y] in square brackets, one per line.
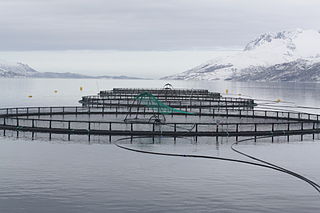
[299, 43]
[266, 38]
[295, 50]
[10, 69]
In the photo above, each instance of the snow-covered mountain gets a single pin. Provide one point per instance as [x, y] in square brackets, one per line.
[283, 56]
[10, 70]
[20, 70]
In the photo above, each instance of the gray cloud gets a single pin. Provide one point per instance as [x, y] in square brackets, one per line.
[146, 24]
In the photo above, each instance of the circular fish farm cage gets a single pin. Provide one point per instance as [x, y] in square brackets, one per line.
[164, 112]
[175, 98]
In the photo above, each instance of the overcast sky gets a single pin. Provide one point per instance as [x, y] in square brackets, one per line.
[150, 38]
[147, 24]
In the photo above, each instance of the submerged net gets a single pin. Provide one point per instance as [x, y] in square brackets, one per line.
[156, 105]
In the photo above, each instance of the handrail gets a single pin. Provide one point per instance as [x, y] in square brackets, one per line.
[254, 111]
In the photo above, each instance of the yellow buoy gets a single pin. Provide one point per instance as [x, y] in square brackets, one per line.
[81, 88]
[227, 91]
[29, 96]
[239, 94]
[278, 100]
[55, 91]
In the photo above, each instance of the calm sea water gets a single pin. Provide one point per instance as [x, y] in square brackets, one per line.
[42, 176]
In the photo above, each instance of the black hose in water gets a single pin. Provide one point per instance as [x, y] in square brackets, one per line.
[262, 163]
[313, 184]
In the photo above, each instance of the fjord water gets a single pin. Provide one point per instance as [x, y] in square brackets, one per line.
[60, 176]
